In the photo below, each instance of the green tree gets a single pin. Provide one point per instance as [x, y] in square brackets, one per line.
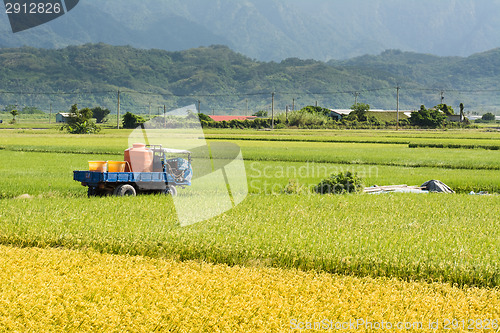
[14, 114]
[359, 112]
[132, 121]
[431, 118]
[447, 110]
[204, 117]
[488, 117]
[316, 110]
[260, 114]
[100, 114]
[80, 121]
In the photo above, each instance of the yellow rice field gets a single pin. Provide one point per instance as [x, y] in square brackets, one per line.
[62, 290]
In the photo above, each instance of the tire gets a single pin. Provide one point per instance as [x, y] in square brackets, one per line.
[91, 192]
[125, 190]
[171, 189]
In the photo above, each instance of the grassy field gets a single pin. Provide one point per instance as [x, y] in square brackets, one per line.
[364, 241]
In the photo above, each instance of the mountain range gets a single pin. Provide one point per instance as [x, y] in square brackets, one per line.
[274, 29]
[223, 81]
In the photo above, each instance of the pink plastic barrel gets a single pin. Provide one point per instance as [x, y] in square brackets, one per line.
[139, 158]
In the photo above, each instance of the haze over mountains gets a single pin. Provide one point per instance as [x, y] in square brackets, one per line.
[275, 29]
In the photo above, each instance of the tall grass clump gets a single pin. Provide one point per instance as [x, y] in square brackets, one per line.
[303, 119]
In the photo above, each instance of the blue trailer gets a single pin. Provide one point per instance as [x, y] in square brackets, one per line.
[168, 175]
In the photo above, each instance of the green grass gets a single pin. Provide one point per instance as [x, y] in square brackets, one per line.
[414, 237]
[51, 174]
[272, 177]
[461, 134]
[370, 154]
[111, 142]
[43, 174]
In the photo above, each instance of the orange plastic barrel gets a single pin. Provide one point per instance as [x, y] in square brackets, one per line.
[116, 166]
[99, 166]
[139, 158]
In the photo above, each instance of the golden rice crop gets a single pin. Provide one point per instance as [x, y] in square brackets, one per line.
[64, 290]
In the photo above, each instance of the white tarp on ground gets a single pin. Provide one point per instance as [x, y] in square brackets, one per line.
[429, 186]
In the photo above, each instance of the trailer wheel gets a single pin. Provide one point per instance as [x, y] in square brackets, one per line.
[171, 189]
[91, 192]
[124, 190]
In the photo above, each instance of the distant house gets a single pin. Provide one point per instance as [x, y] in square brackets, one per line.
[62, 117]
[339, 113]
[456, 118]
[229, 118]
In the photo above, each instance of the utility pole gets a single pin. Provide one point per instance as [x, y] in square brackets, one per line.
[356, 94]
[397, 108]
[442, 97]
[293, 104]
[272, 111]
[287, 114]
[50, 114]
[118, 112]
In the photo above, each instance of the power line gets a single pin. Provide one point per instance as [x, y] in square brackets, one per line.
[260, 93]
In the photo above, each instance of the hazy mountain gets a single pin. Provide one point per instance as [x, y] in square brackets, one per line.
[275, 29]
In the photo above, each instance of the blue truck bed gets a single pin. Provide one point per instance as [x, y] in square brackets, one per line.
[94, 178]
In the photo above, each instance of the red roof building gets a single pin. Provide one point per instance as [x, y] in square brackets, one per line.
[229, 118]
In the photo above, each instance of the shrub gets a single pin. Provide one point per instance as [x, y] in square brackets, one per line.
[431, 118]
[488, 117]
[316, 110]
[80, 121]
[87, 127]
[359, 111]
[340, 184]
[304, 119]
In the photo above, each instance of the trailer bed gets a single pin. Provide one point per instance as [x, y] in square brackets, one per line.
[104, 183]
